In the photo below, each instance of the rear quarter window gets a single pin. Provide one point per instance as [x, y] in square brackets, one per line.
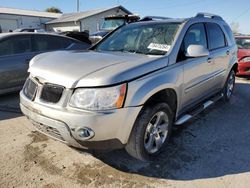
[66, 43]
[230, 34]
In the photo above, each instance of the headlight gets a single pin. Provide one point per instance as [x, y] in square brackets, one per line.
[245, 59]
[99, 98]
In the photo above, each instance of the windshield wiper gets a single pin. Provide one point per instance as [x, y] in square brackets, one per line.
[150, 53]
[134, 52]
[123, 50]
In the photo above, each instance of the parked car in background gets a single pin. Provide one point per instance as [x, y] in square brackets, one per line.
[136, 84]
[111, 23]
[17, 49]
[38, 30]
[243, 43]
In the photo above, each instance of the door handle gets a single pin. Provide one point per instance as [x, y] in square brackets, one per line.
[209, 60]
[228, 52]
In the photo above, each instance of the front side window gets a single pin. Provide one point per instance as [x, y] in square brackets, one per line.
[215, 36]
[15, 45]
[195, 35]
[154, 38]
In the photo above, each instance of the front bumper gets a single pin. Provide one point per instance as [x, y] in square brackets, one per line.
[243, 68]
[111, 128]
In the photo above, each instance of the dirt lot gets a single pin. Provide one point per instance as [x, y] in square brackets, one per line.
[211, 151]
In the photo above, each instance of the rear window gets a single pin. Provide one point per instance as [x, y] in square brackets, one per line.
[216, 36]
[243, 43]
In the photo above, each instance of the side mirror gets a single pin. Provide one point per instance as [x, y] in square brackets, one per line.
[194, 50]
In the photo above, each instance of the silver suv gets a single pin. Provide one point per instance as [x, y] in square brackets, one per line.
[133, 86]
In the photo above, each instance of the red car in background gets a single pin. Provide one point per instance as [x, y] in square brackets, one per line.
[243, 43]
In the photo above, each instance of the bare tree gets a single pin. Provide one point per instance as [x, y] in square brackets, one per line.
[235, 27]
[53, 10]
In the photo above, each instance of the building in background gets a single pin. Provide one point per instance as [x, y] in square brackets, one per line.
[81, 21]
[11, 19]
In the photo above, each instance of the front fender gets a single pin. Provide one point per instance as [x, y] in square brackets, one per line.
[140, 90]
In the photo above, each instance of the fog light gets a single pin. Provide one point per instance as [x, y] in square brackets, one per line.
[85, 133]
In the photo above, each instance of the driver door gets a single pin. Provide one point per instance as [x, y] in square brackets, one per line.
[198, 71]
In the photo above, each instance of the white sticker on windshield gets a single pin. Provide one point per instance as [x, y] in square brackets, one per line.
[161, 47]
[247, 40]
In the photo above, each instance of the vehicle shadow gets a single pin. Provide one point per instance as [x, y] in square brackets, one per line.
[9, 106]
[213, 144]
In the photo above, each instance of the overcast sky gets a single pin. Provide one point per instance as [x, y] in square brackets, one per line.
[230, 10]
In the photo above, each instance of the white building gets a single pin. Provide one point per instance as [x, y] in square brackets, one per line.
[11, 19]
[88, 20]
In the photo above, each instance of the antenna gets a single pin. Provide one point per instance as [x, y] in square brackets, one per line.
[77, 5]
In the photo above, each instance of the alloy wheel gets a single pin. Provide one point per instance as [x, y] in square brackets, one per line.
[230, 84]
[156, 132]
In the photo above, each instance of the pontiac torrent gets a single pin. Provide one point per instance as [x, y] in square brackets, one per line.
[129, 89]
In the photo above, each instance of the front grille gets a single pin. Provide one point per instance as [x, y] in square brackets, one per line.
[51, 93]
[53, 132]
[30, 88]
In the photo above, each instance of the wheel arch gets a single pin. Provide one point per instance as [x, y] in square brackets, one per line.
[168, 95]
[235, 67]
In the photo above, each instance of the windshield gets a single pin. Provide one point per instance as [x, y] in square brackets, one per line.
[243, 43]
[112, 24]
[154, 39]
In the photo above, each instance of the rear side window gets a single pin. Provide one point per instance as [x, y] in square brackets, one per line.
[67, 42]
[15, 45]
[216, 38]
[195, 35]
[47, 43]
[230, 34]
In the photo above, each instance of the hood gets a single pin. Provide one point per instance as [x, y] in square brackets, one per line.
[88, 68]
[243, 53]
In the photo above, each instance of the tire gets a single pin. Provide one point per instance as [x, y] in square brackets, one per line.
[147, 139]
[229, 86]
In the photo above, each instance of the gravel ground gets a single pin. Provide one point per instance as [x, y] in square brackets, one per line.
[210, 151]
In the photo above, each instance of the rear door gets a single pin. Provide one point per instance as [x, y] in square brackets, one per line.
[220, 53]
[198, 75]
[15, 53]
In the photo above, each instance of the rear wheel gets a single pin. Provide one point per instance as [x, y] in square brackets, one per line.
[151, 131]
[229, 86]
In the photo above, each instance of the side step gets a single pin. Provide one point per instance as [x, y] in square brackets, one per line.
[198, 110]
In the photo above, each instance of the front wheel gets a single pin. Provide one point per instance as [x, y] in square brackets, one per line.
[151, 131]
[229, 86]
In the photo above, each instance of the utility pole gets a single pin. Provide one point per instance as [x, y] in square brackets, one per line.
[78, 5]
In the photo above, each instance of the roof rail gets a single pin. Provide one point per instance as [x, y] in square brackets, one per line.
[208, 15]
[150, 18]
